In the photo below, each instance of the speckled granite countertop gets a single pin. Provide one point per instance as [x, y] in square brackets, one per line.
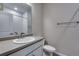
[8, 46]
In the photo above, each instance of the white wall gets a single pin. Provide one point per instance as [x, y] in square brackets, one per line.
[65, 40]
[37, 21]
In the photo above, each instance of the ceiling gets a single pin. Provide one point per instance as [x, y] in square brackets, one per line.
[21, 7]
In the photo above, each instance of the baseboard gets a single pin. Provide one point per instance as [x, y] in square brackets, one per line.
[59, 54]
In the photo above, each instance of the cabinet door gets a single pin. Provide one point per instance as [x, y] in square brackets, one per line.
[37, 52]
[17, 24]
[27, 50]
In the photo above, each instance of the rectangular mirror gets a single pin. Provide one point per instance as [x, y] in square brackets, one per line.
[15, 17]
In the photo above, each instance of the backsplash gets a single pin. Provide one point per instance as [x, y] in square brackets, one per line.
[13, 37]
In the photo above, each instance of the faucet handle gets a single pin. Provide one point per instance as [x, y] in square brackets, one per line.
[22, 33]
[16, 33]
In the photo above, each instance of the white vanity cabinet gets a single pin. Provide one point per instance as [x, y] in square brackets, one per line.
[37, 52]
[32, 50]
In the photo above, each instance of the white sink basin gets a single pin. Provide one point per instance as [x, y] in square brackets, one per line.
[24, 40]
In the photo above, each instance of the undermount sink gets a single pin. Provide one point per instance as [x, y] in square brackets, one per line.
[24, 40]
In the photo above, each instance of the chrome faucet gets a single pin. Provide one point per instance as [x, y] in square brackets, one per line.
[16, 33]
[22, 35]
[18, 36]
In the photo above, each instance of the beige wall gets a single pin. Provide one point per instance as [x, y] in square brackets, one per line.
[37, 21]
[65, 40]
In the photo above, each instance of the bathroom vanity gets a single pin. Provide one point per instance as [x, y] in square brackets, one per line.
[16, 19]
[34, 48]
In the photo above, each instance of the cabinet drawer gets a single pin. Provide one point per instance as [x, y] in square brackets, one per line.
[27, 50]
